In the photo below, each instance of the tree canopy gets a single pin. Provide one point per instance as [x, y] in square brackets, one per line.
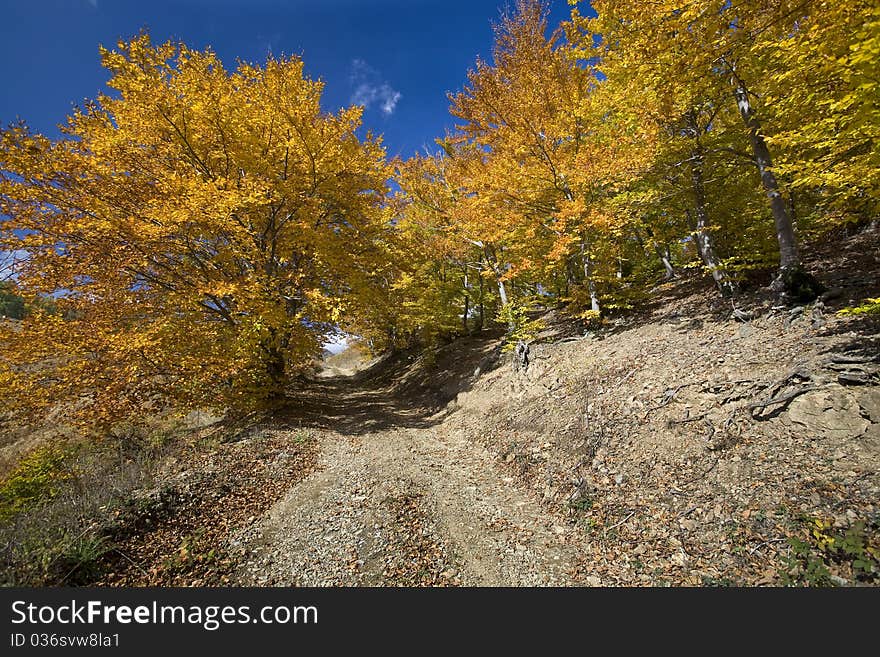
[201, 231]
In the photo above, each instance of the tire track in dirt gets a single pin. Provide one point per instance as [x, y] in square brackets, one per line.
[408, 506]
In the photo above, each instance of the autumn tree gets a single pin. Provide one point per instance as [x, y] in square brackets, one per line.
[630, 141]
[525, 112]
[200, 230]
[824, 95]
[708, 55]
[441, 283]
[531, 176]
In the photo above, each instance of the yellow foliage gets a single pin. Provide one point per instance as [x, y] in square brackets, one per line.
[201, 232]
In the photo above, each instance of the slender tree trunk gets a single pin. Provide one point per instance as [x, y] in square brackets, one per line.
[482, 303]
[467, 299]
[594, 297]
[703, 237]
[661, 252]
[570, 277]
[792, 282]
[667, 264]
[588, 278]
[788, 250]
[496, 269]
[502, 291]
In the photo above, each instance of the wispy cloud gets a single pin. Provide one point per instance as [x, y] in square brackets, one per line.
[94, 3]
[269, 43]
[369, 89]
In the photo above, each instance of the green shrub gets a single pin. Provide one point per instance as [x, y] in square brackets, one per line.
[79, 561]
[824, 550]
[11, 304]
[36, 480]
[867, 307]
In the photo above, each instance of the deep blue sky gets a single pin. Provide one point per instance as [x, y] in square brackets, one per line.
[370, 50]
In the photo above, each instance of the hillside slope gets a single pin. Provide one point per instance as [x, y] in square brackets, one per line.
[673, 446]
[679, 447]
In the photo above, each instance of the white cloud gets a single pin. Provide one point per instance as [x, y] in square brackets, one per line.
[370, 89]
[384, 95]
[389, 100]
[94, 3]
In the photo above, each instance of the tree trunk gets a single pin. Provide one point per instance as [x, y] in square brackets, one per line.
[788, 250]
[792, 282]
[588, 277]
[662, 252]
[703, 237]
[467, 299]
[492, 261]
[570, 277]
[275, 365]
[594, 298]
[667, 265]
[502, 291]
[482, 303]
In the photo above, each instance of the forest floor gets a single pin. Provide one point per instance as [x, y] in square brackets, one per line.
[676, 446]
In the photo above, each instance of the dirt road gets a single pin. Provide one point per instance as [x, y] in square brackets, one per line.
[403, 498]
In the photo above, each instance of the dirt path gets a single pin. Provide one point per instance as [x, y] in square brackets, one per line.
[407, 501]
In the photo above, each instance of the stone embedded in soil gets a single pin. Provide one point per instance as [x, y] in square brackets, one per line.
[831, 411]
